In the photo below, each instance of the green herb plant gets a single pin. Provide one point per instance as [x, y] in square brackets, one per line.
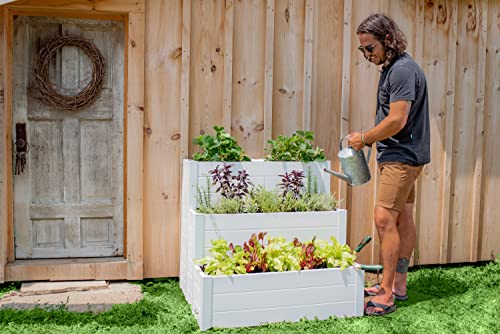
[276, 256]
[297, 147]
[220, 147]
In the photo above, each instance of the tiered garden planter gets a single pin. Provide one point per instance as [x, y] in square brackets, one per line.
[257, 299]
[198, 229]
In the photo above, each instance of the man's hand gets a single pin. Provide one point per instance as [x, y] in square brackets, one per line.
[355, 141]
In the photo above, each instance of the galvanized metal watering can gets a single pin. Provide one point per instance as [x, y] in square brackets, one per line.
[354, 164]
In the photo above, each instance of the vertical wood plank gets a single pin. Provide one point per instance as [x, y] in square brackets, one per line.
[328, 79]
[478, 180]
[162, 174]
[249, 76]
[449, 139]
[228, 64]
[308, 54]
[269, 70]
[348, 36]
[3, 154]
[8, 23]
[186, 65]
[135, 139]
[465, 157]
[417, 51]
[490, 213]
[288, 91]
[207, 67]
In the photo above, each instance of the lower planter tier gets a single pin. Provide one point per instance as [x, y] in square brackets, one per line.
[258, 299]
[200, 229]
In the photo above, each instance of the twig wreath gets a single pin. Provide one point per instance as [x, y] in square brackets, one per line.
[48, 90]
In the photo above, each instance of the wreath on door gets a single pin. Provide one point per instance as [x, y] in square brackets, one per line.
[49, 91]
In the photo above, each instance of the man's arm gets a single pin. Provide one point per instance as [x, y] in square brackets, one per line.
[392, 124]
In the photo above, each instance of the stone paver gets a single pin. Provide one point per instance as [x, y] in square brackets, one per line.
[94, 300]
[43, 288]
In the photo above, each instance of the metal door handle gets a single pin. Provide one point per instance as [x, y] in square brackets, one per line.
[21, 148]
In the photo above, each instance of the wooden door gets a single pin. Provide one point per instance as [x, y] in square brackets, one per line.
[69, 200]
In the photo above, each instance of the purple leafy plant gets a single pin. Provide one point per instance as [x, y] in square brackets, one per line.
[228, 185]
[292, 183]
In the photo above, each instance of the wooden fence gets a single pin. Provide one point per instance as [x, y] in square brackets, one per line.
[262, 68]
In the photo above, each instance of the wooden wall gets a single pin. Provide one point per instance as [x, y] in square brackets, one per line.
[265, 68]
[262, 68]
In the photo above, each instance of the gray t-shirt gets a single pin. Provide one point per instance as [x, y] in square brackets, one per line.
[405, 80]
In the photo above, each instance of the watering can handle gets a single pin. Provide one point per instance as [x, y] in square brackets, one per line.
[341, 141]
[369, 148]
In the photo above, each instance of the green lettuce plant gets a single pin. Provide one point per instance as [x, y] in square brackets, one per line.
[276, 256]
[297, 147]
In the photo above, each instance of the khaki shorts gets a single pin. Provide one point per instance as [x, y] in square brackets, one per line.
[397, 185]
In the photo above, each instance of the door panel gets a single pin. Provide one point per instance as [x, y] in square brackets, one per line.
[69, 200]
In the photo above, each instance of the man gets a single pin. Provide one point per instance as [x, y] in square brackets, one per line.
[403, 144]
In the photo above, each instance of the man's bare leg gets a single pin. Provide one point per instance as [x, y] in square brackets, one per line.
[385, 221]
[408, 235]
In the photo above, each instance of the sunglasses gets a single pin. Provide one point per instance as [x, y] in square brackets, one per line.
[368, 48]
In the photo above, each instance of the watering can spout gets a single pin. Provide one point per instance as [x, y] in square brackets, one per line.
[340, 176]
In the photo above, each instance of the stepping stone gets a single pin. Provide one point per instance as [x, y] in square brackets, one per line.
[93, 300]
[43, 288]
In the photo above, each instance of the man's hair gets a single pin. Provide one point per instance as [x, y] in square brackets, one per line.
[380, 25]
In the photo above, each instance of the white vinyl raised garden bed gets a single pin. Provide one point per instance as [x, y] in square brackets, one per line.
[257, 299]
[197, 230]
[237, 228]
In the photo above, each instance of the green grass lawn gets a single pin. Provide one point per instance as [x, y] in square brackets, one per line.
[459, 299]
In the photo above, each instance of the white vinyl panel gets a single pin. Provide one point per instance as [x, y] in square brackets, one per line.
[286, 280]
[275, 220]
[257, 299]
[303, 234]
[269, 299]
[258, 317]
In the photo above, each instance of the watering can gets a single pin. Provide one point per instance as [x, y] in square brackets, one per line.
[354, 164]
